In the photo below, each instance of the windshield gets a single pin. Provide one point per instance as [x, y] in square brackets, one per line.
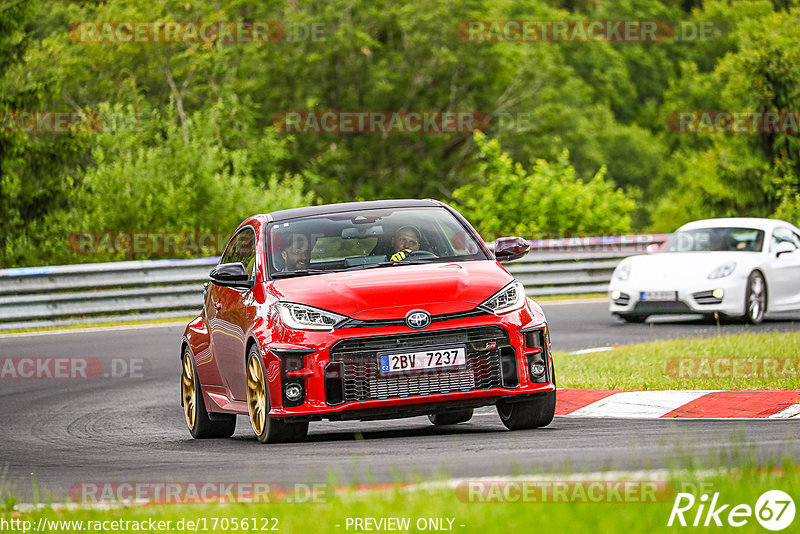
[367, 239]
[717, 239]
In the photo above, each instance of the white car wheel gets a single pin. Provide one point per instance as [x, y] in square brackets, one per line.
[755, 304]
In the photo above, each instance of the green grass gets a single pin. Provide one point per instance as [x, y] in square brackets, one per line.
[740, 486]
[756, 361]
[99, 325]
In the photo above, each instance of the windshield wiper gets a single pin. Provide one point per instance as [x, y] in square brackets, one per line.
[306, 272]
[299, 272]
[386, 264]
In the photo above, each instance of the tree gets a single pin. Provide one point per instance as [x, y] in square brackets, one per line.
[36, 170]
[738, 174]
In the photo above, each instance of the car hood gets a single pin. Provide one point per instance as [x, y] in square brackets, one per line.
[391, 292]
[684, 266]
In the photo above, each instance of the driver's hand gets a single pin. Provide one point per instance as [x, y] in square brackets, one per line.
[400, 256]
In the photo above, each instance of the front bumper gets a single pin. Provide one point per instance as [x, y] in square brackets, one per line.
[697, 298]
[420, 407]
[341, 380]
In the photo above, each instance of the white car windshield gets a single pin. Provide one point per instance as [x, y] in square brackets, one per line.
[371, 238]
[717, 239]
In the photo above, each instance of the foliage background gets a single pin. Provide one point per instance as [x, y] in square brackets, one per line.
[578, 142]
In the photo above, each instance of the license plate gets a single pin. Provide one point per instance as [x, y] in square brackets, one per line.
[659, 295]
[418, 360]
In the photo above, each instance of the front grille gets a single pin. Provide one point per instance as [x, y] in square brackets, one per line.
[661, 307]
[706, 297]
[361, 378]
[380, 323]
[623, 299]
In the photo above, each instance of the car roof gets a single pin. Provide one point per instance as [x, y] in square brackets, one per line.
[736, 222]
[310, 211]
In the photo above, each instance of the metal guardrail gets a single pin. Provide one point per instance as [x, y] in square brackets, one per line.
[577, 265]
[32, 297]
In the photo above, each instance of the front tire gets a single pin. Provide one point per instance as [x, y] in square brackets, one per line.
[451, 418]
[527, 414]
[755, 301]
[194, 408]
[268, 429]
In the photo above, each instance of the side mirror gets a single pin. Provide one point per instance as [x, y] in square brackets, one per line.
[510, 248]
[784, 247]
[230, 275]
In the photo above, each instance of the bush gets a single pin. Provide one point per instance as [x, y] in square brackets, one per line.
[157, 173]
[507, 199]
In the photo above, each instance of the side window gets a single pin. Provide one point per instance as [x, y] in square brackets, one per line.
[779, 235]
[460, 242]
[242, 248]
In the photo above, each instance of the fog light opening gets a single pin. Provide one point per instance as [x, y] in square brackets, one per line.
[293, 392]
[616, 294]
[534, 339]
[718, 293]
[537, 368]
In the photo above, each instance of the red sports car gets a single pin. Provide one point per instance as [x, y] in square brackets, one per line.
[364, 310]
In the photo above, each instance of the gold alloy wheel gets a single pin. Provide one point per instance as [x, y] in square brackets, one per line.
[188, 390]
[256, 395]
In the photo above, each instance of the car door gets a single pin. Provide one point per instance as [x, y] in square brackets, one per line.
[232, 309]
[784, 292]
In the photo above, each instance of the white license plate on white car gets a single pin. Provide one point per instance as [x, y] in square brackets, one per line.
[419, 360]
[658, 296]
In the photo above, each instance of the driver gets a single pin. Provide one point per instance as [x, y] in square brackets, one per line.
[297, 253]
[404, 242]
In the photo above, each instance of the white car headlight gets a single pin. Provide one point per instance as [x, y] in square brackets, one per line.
[511, 297]
[722, 271]
[623, 271]
[302, 317]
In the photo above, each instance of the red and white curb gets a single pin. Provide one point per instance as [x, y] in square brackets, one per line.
[678, 404]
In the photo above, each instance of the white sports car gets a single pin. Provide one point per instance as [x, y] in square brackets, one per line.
[738, 267]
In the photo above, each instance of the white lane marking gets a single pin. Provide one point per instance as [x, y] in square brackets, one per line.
[788, 413]
[640, 404]
[640, 475]
[594, 349]
[93, 329]
[28, 507]
[569, 301]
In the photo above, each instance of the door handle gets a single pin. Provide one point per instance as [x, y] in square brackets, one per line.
[218, 305]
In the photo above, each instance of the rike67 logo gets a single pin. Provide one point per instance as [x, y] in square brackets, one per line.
[774, 510]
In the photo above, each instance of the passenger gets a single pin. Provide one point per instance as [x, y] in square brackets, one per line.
[297, 253]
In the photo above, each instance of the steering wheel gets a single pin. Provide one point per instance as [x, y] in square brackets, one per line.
[421, 255]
